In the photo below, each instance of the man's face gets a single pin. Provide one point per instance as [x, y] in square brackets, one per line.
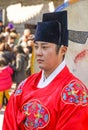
[46, 56]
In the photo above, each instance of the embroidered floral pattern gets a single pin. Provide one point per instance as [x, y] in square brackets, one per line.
[37, 115]
[19, 89]
[76, 93]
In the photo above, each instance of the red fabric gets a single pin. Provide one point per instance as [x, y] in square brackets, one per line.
[6, 78]
[62, 105]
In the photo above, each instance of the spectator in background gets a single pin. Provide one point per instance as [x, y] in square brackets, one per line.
[27, 42]
[13, 31]
[30, 68]
[1, 27]
[6, 33]
[2, 43]
[12, 40]
[25, 37]
[21, 63]
[10, 25]
[6, 73]
[6, 50]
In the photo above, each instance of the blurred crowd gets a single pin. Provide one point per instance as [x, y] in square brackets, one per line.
[16, 57]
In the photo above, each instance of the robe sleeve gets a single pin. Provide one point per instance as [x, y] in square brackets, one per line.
[73, 107]
[13, 115]
[9, 121]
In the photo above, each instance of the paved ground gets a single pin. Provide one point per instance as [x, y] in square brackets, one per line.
[1, 119]
[2, 111]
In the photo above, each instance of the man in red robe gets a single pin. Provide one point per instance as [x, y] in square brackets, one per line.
[53, 99]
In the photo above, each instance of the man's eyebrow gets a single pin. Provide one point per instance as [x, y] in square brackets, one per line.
[42, 43]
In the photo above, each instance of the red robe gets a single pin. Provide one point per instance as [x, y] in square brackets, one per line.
[61, 105]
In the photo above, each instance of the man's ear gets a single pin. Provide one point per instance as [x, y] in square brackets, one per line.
[63, 49]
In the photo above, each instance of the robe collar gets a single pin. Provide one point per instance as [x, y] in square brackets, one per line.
[45, 81]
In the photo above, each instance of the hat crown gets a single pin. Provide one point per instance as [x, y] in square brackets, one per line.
[53, 28]
[46, 31]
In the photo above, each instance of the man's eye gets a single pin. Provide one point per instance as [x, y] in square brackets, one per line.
[44, 47]
[36, 47]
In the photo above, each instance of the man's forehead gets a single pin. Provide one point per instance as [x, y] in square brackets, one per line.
[43, 43]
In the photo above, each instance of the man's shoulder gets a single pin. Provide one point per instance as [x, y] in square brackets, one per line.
[28, 81]
[75, 92]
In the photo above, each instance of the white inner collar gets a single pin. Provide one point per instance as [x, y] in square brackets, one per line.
[45, 81]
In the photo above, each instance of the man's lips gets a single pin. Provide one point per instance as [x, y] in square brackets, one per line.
[39, 60]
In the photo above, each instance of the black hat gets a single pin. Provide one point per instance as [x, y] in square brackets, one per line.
[47, 32]
[53, 28]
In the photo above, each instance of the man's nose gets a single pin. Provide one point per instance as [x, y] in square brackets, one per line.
[39, 51]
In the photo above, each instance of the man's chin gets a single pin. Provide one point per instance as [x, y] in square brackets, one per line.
[41, 67]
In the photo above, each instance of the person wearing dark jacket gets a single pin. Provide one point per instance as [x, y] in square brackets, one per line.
[21, 63]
